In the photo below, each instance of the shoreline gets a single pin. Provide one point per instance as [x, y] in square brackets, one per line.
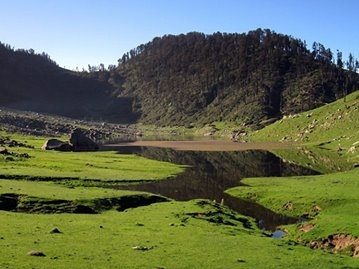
[206, 145]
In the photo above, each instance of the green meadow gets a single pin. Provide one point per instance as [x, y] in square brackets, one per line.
[173, 234]
[191, 234]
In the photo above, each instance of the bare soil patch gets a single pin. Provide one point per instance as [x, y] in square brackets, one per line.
[339, 243]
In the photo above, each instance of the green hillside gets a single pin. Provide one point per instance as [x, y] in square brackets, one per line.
[333, 126]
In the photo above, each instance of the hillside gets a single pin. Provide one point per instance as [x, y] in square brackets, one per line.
[195, 78]
[334, 125]
[184, 80]
[34, 82]
[324, 202]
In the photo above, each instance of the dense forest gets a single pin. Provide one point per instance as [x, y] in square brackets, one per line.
[30, 81]
[246, 78]
[188, 79]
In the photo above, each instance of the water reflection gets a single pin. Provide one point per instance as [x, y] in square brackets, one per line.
[211, 173]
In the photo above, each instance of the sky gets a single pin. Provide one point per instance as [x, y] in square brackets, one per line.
[76, 33]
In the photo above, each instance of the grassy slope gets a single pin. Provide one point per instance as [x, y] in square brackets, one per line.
[333, 126]
[217, 130]
[331, 146]
[84, 165]
[178, 241]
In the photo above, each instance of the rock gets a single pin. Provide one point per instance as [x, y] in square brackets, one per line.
[142, 248]
[139, 134]
[268, 121]
[36, 253]
[316, 208]
[56, 144]
[211, 133]
[306, 227]
[55, 231]
[80, 142]
[238, 134]
[356, 252]
[24, 155]
[352, 149]
[4, 151]
[288, 206]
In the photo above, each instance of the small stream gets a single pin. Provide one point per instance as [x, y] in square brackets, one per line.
[209, 174]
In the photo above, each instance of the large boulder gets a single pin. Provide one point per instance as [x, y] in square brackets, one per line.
[80, 142]
[56, 144]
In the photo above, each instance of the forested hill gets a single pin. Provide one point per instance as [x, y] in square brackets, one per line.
[30, 81]
[188, 79]
[198, 78]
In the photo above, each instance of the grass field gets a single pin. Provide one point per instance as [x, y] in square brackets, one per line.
[163, 235]
[194, 234]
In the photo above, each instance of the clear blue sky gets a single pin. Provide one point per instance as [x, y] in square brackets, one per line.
[80, 32]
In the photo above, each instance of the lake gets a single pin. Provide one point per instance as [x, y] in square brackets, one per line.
[212, 168]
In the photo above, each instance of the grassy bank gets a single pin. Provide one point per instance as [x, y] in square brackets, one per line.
[103, 165]
[328, 200]
[49, 190]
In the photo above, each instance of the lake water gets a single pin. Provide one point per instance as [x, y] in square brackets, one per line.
[210, 173]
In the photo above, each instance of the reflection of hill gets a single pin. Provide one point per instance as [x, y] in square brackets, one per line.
[223, 167]
[316, 158]
[211, 173]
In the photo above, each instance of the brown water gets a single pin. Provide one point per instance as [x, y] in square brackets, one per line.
[210, 173]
